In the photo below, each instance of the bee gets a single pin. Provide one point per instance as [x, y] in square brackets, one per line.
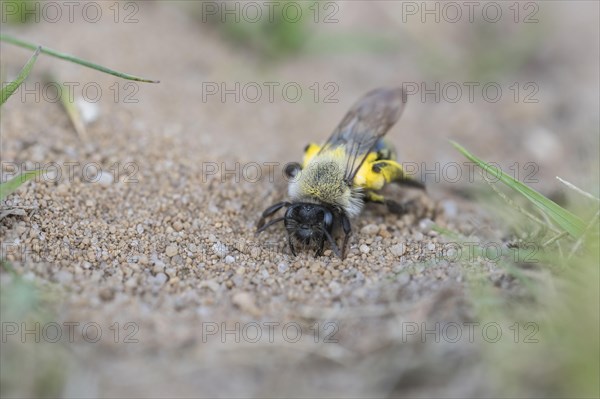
[336, 179]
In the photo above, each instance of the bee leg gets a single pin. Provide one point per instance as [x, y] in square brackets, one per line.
[396, 207]
[402, 208]
[268, 212]
[392, 206]
[272, 222]
[334, 246]
[392, 172]
[291, 244]
[319, 251]
[347, 227]
[410, 182]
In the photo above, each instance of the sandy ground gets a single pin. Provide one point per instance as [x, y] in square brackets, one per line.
[169, 247]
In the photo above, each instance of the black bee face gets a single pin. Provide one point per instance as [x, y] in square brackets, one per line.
[308, 222]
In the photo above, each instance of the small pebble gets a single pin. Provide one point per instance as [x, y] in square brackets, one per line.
[171, 272]
[210, 284]
[425, 225]
[159, 279]
[404, 278]
[335, 288]
[450, 254]
[89, 111]
[282, 267]
[229, 259]
[450, 208]
[370, 230]
[398, 249]
[364, 249]
[105, 178]
[64, 277]
[237, 280]
[131, 282]
[107, 294]
[543, 144]
[255, 252]
[220, 249]
[245, 301]
[171, 250]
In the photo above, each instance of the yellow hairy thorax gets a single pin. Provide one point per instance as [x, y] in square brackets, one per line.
[322, 180]
[323, 177]
[365, 178]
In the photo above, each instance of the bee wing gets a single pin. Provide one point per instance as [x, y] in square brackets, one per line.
[366, 122]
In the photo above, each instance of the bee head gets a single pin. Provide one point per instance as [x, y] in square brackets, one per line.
[308, 222]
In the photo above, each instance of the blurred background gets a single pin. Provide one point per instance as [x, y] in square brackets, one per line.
[519, 83]
[516, 83]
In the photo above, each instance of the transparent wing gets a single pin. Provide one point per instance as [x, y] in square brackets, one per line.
[366, 122]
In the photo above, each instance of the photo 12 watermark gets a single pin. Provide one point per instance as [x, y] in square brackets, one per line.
[73, 171]
[426, 92]
[326, 332]
[469, 332]
[526, 12]
[432, 172]
[52, 12]
[90, 92]
[473, 251]
[254, 12]
[269, 91]
[269, 171]
[472, 92]
[270, 332]
[69, 332]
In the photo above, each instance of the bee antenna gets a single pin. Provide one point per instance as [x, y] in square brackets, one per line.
[272, 222]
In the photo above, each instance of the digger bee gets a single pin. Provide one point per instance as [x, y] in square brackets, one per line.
[336, 179]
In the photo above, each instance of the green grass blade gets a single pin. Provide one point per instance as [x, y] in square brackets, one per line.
[68, 57]
[10, 186]
[10, 88]
[578, 190]
[562, 217]
[71, 109]
[73, 113]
